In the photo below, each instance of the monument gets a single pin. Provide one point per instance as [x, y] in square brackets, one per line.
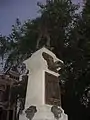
[43, 100]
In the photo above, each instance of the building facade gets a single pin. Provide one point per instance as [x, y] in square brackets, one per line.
[7, 108]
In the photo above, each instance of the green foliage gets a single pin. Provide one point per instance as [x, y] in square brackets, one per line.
[57, 16]
[23, 42]
[4, 48]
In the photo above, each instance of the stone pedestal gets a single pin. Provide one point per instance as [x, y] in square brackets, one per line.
[43, 87]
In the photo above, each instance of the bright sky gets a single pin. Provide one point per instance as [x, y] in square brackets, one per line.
[22, 9]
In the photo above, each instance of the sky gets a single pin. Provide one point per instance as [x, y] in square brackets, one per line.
[22, 9]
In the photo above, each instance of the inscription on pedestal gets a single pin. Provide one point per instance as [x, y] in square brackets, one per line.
[52, 90]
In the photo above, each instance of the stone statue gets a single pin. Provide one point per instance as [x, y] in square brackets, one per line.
[44, 38]
[56, 111]
[30, 112]
[50, 62]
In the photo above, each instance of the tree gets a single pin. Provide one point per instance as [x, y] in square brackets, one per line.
[78, 71]
[4, 48]
[57, 17]
[23, 42]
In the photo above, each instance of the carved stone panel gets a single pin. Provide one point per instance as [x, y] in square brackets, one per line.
[50, 61]
[52, 90]
[52, 65]
[30, 112]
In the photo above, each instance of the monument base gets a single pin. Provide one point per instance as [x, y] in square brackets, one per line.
[43, 98]
[44, 113]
